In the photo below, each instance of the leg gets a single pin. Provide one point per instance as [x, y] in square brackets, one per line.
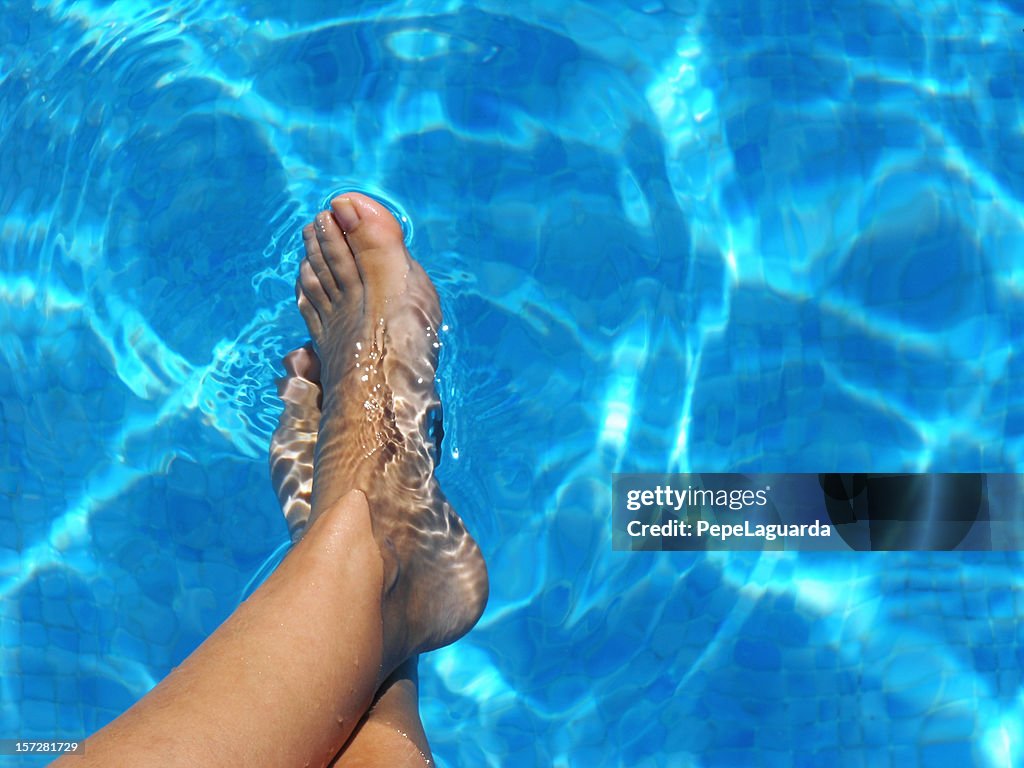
[285, 680]
[270, 686]
[391, 734]
[373, 315]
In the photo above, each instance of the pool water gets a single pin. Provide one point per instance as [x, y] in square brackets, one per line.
[667, 235]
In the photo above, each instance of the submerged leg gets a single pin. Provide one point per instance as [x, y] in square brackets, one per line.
[294, 441]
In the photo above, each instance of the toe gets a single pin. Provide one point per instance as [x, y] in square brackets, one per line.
[315, 257]
[308, 311]
[375, 238]
[337, 256]
[313, 287]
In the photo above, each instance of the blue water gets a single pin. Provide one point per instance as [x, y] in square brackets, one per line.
[667, 236]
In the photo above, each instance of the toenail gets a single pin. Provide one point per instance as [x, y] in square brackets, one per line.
[345, 213]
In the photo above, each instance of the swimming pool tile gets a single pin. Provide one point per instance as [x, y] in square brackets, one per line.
[57, 614]
[10, 536]
[950, 726]
[805, 758]
[947, 753]
[773, 756]
[724, 758]
[127, 645]
[63, 640]
[875, 733]
[985, 659]
[976, 605]
[40, 687]
[850, 735]
[85, 615]
[721, 708]
[33, 634]
[69, 719]
[37, 716]
[53, 585]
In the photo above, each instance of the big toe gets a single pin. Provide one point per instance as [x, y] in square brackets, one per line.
[376, 240]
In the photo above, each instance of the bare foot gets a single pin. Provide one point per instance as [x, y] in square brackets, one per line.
[294, 441]
[373, 315]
